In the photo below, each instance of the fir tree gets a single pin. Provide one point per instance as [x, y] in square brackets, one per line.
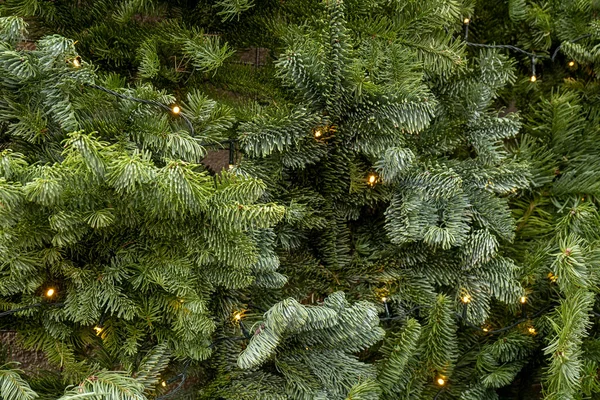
[390, 231]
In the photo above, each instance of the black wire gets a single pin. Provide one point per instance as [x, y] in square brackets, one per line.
[471, 325]
[9, 312]
[151, 102]
[183, 376]
[505, 328]
[231, 142]
[519, 50]
[570, 41]
[505, 46]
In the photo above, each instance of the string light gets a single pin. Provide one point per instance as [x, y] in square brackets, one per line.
[466, 21]
[441, 381]
[372, 179]
[230, 166]
[523, 299]
[163, 384]
[533, 75]
[485, 330]
[384, 299]
[237, 316]
[76, 62]
[318, 133]
[531, 330]
[466, 298]
[181, 300]
[50, 292]
[98, 329]
[176, 109]
[571, 63]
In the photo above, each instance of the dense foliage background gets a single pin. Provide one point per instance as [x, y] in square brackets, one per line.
[407, 214]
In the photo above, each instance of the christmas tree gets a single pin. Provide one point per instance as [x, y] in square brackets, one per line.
[409, 211]
[557, 217]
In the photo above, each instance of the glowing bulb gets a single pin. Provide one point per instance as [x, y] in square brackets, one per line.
[372, 179]
[531, 330]
[98, 329]
[163, 384]
[50, 292]
[466, 299]
[237, 316]
[318, 133]
[466, 21]
[176, 109]
[384, 299]
[523, 299]
[181, 300]
[485, 329]
[230, 166]
[440, 381]
[571, 64]
[76, 62]
[533, 78]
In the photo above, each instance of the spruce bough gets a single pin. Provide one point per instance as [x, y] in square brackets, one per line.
[386, 234]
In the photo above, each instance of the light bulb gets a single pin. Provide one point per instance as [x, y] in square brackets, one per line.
[230, 166]
[237, 316]
[571, 63]
[533, 78]
[176, 109]
[523, 299]
[163, 384]
[466, 21]
[181, 300]
[50, 292]
[440, 381]
[384, 299]
[372, 179]
[318, 133]
[76, 62]
[466, 299]
[531, 330]
[485, 329]
[98, 329]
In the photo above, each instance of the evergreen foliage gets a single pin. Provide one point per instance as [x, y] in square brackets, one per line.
[408, 217]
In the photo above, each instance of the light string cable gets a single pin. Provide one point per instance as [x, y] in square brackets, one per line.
[175, 110]
[15, 310]
[464, 319]
[533, 56]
